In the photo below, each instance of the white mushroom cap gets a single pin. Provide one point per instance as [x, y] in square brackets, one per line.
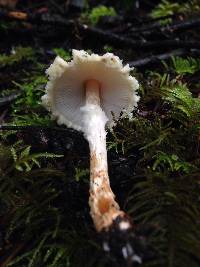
[65, 93]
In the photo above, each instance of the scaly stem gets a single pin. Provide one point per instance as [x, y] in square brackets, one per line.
[104, 208]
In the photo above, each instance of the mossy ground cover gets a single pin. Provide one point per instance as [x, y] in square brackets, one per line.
[153, 160]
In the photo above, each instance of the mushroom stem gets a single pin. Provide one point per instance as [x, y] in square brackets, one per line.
[92, 92]
[104, 208]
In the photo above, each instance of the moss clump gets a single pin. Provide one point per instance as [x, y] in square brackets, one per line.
[17, 55]
[163, 137]
[94, 15]
[169, 8]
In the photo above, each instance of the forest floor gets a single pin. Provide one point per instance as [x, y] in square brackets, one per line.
[153, 160]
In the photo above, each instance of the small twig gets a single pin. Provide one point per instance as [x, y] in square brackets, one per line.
[183, 25]
[155, 58]
[8, 99]
[57, 7]
[31, 127]
[13, 254]
[3, 114]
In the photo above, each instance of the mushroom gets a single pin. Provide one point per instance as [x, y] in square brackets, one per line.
[84, 94]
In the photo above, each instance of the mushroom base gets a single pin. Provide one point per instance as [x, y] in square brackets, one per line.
[129, 245]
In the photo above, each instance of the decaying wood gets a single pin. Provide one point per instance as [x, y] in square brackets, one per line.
[104, 35]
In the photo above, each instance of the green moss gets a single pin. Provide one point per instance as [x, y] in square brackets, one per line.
[24, 160]
[18, 54]
[81, 174]
[62, 53]
[94, 15]
[165, 8]
[168, 8]
[184, 65]
[108, 48]
[163, 137]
